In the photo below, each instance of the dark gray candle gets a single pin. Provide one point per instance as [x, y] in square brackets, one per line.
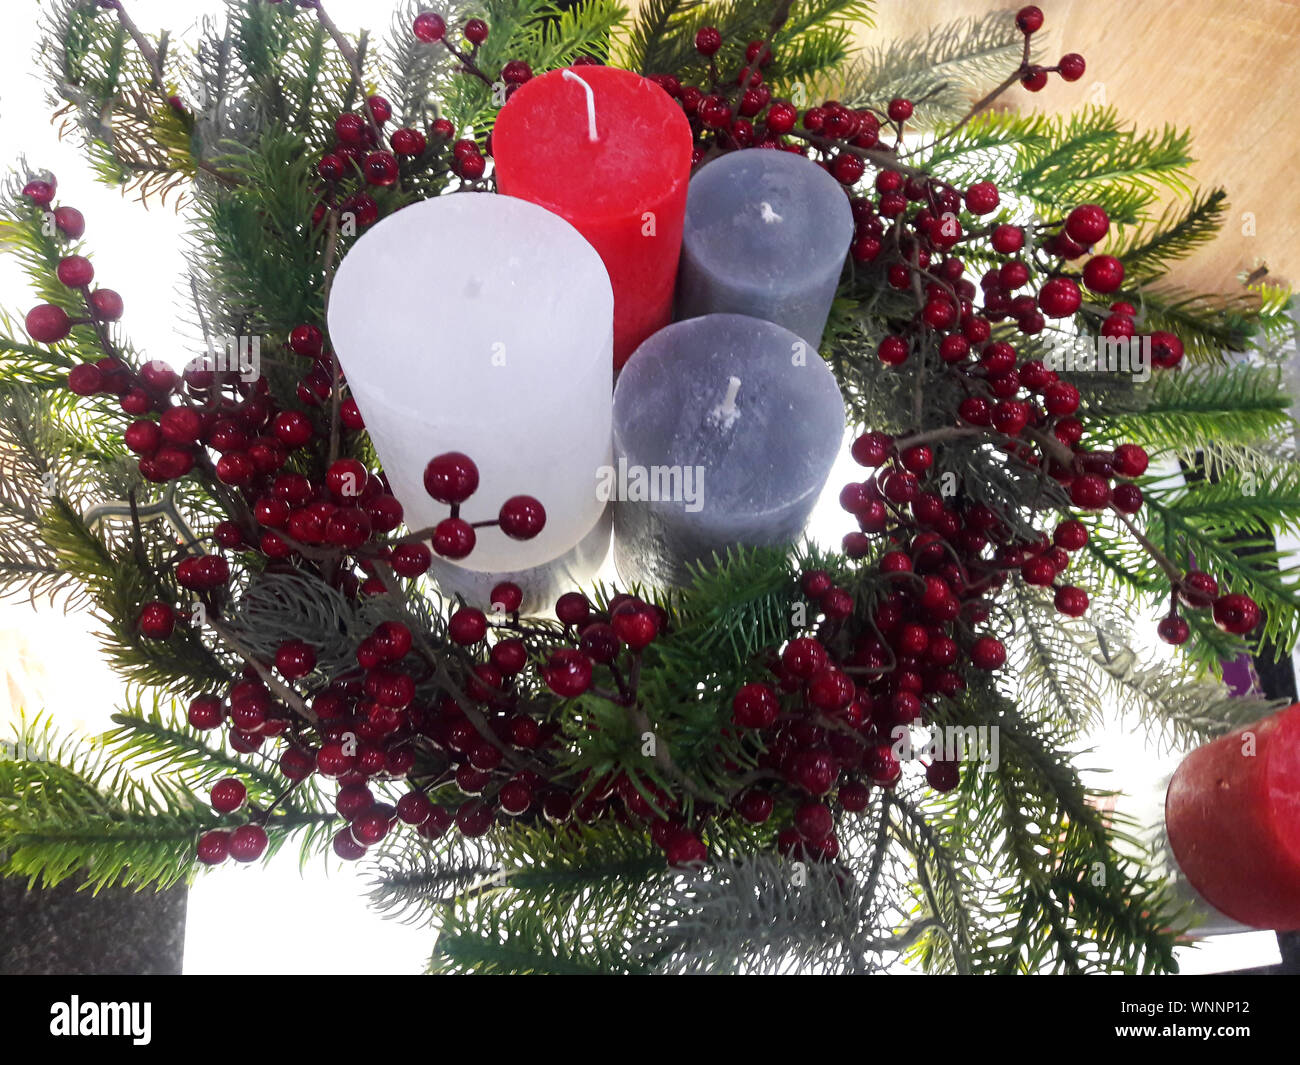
[725, 430]
[766, 235]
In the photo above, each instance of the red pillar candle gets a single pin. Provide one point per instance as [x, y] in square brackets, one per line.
[1233, 817]
[610, 152]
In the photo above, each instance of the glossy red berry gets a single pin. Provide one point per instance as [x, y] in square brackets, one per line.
[1029, 19]
[47, 324]
[1166, 350]
[205, 712]
[248, 843]
[900, 109]
[1198, 590]
[1086, 225]
[1103, 273]
[1237, 613]
[106, 305]
[1070, 535]
[1072, 66]
[453, 538]
[522, 517]
[1059, 298]
[157, 621]
[755, 706]
[476, 31]
[988, 653]
[755, 806]
[892, 351]
[451, 477]
[635, 623]
[1130, 461]
[214, 847]
[708, 40]
[429, 27]
[1173, 630]
[1071, 601]
[1089, 492]
[228, 795]
[942, 775]
[982, 198]
[467, 626]
[1126, 498]
[567, 672]
[295, 659]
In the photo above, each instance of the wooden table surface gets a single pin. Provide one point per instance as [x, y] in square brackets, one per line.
[1227, 71]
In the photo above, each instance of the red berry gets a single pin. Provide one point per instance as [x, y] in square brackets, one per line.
[1071, 601]
[1237, 613]
[803, 657]
[1198, 590]
[70, 222]
[429, 27]
[1060, 399]
[814, 821]
[1059, 298]
[453, 538]
[476, 32]
[982, 198]
[157, 621]
[892, 351]
[567, 672]
[205, 712]
[1166, 350]
[106, 305]
[900, 109]
[1173, 630]
[708, 40]
[1034, 79]
[1103, 273]
[39, 192]
[228, 795]
[755, 706]
[988, 653]
[814, 770]
[1070, 535]
[1086, 225]
[1130, 461]
[522, 517]
[1029, 19]
[1072, 66]
[685, 849]
[451, 477]
[942, 775]
[214, 847]
[295, 659]
[1126, 498]
[47, 324]
[381, 168]
[755, 806]
[635, 624]
[467, 626]
[1008, 239]
[1089, 492]
[346, 479]
[75, 271]
[248, 843]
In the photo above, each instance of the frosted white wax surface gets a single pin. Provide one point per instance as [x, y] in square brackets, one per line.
[482, 323]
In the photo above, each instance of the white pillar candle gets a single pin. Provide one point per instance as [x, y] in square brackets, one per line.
[482, 323]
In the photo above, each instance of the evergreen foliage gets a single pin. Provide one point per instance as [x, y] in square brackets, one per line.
[1018, 870]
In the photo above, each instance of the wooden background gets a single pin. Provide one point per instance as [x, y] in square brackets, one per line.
[1228, 70]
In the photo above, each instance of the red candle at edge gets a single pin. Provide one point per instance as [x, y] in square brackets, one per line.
[625, 192]
[1234, 822]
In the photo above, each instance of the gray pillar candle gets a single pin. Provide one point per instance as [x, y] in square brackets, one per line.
[766, 235]
[725, 430]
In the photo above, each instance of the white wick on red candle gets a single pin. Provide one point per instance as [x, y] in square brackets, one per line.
[726, 412]
[591, 105]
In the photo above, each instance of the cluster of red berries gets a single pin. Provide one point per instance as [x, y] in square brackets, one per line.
[48, 323]
[452, 478]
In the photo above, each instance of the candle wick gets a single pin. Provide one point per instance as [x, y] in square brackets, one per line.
[726, 412]
[591, 105]
[768, 215]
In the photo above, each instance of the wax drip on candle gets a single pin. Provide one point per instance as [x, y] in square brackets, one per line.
[767, 214]
[569, 75]
[724, 415]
